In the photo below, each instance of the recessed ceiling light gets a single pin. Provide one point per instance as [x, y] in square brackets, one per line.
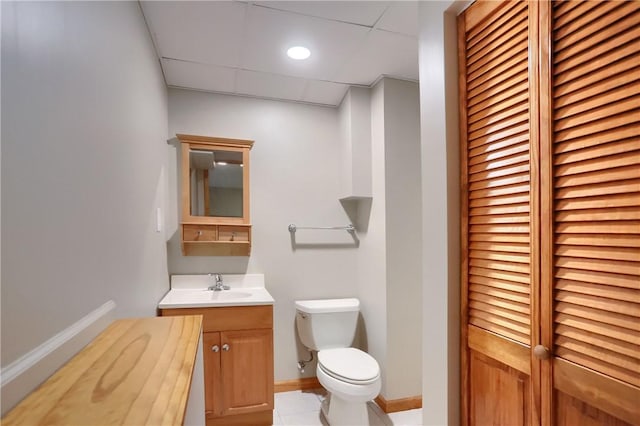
[298, 52]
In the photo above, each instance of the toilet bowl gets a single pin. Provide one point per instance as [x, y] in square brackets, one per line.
[350, 376]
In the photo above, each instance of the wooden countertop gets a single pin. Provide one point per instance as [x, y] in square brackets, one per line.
[136, 372]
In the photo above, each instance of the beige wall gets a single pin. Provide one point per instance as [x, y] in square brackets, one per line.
[84, 114]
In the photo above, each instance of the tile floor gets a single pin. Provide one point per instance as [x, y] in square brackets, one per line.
[302, 408]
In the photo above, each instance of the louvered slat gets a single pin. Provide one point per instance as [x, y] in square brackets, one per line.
[577, 90]
[581, 51]
[598, 240]
[505, 218]
[608, 362]
[499, 293]
[598, 340]
[498, 174]
[511, 81]
[503, 283]
[508, 247]
[602, 278]
[568, 322]
[489, 173]
[584, 15]
[497, 153]
[596, 168]
[610, 292]
[596, 150]
[485, 28]
[613, 22]
[491, 49]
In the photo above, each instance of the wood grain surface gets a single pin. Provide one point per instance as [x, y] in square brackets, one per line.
[136, 372]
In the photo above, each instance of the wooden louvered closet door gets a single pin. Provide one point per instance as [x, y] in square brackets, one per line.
[591, 229]
[499, 204]
[550, 171]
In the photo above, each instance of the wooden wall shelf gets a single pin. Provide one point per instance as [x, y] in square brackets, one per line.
[216, 240]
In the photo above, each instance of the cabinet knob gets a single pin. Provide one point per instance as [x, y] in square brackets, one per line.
[215, 348]
[541, 352]
[225, 347]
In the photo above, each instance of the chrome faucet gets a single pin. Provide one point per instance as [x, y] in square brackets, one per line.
[218, 286]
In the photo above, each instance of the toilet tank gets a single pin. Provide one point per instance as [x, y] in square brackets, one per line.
[327, 323]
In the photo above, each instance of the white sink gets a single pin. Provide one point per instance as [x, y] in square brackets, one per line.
[229, 295]
[191, 291]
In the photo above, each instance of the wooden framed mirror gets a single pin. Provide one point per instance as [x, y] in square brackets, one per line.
[215, 195]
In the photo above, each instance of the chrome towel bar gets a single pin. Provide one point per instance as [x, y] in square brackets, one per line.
[349, 228]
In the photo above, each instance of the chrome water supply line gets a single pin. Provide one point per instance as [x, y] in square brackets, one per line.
[303, 363]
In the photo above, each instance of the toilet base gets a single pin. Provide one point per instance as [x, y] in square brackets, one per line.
[338, 412]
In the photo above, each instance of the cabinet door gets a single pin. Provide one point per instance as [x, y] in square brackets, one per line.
[499, 213]
[212, 388]
[591, 263]
[247, 371]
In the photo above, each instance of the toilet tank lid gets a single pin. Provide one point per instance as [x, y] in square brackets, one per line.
[328, 305]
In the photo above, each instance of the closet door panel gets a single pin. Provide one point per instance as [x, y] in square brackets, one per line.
[591, 271]
[576, 412]
[498, 172]
[495, 378]
[498, 254]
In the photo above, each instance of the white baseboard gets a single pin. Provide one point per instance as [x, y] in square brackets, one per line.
[23, 375]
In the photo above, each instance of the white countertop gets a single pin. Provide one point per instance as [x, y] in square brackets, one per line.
[191, 291]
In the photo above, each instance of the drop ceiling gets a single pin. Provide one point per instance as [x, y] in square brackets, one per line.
[240, 47]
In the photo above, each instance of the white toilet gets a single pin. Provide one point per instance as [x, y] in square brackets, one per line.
[351, 376]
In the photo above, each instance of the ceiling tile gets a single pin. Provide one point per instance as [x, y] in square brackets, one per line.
[383, 53]
[270, 85]
[198, 76]
[206, 32]
[270, 33]
[324, 92]
[401, 17]
[240, 47]
[357, 12]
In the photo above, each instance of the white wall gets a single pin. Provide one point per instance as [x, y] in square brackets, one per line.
[403, 238]
[371, 256]
[295, 178]
[88, 101]
[355, 126]
[346, 148]
[84, 114]
[389, 271]
[441, 211]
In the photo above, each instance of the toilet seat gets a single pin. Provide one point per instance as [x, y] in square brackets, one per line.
[350, 365]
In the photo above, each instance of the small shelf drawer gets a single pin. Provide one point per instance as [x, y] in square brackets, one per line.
[200, 233]
[233, 233]
[216, 239]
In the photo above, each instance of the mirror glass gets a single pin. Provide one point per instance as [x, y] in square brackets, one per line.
[216, 183]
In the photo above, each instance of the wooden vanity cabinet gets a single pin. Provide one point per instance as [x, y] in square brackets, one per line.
[238, 363]
[215, 214]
